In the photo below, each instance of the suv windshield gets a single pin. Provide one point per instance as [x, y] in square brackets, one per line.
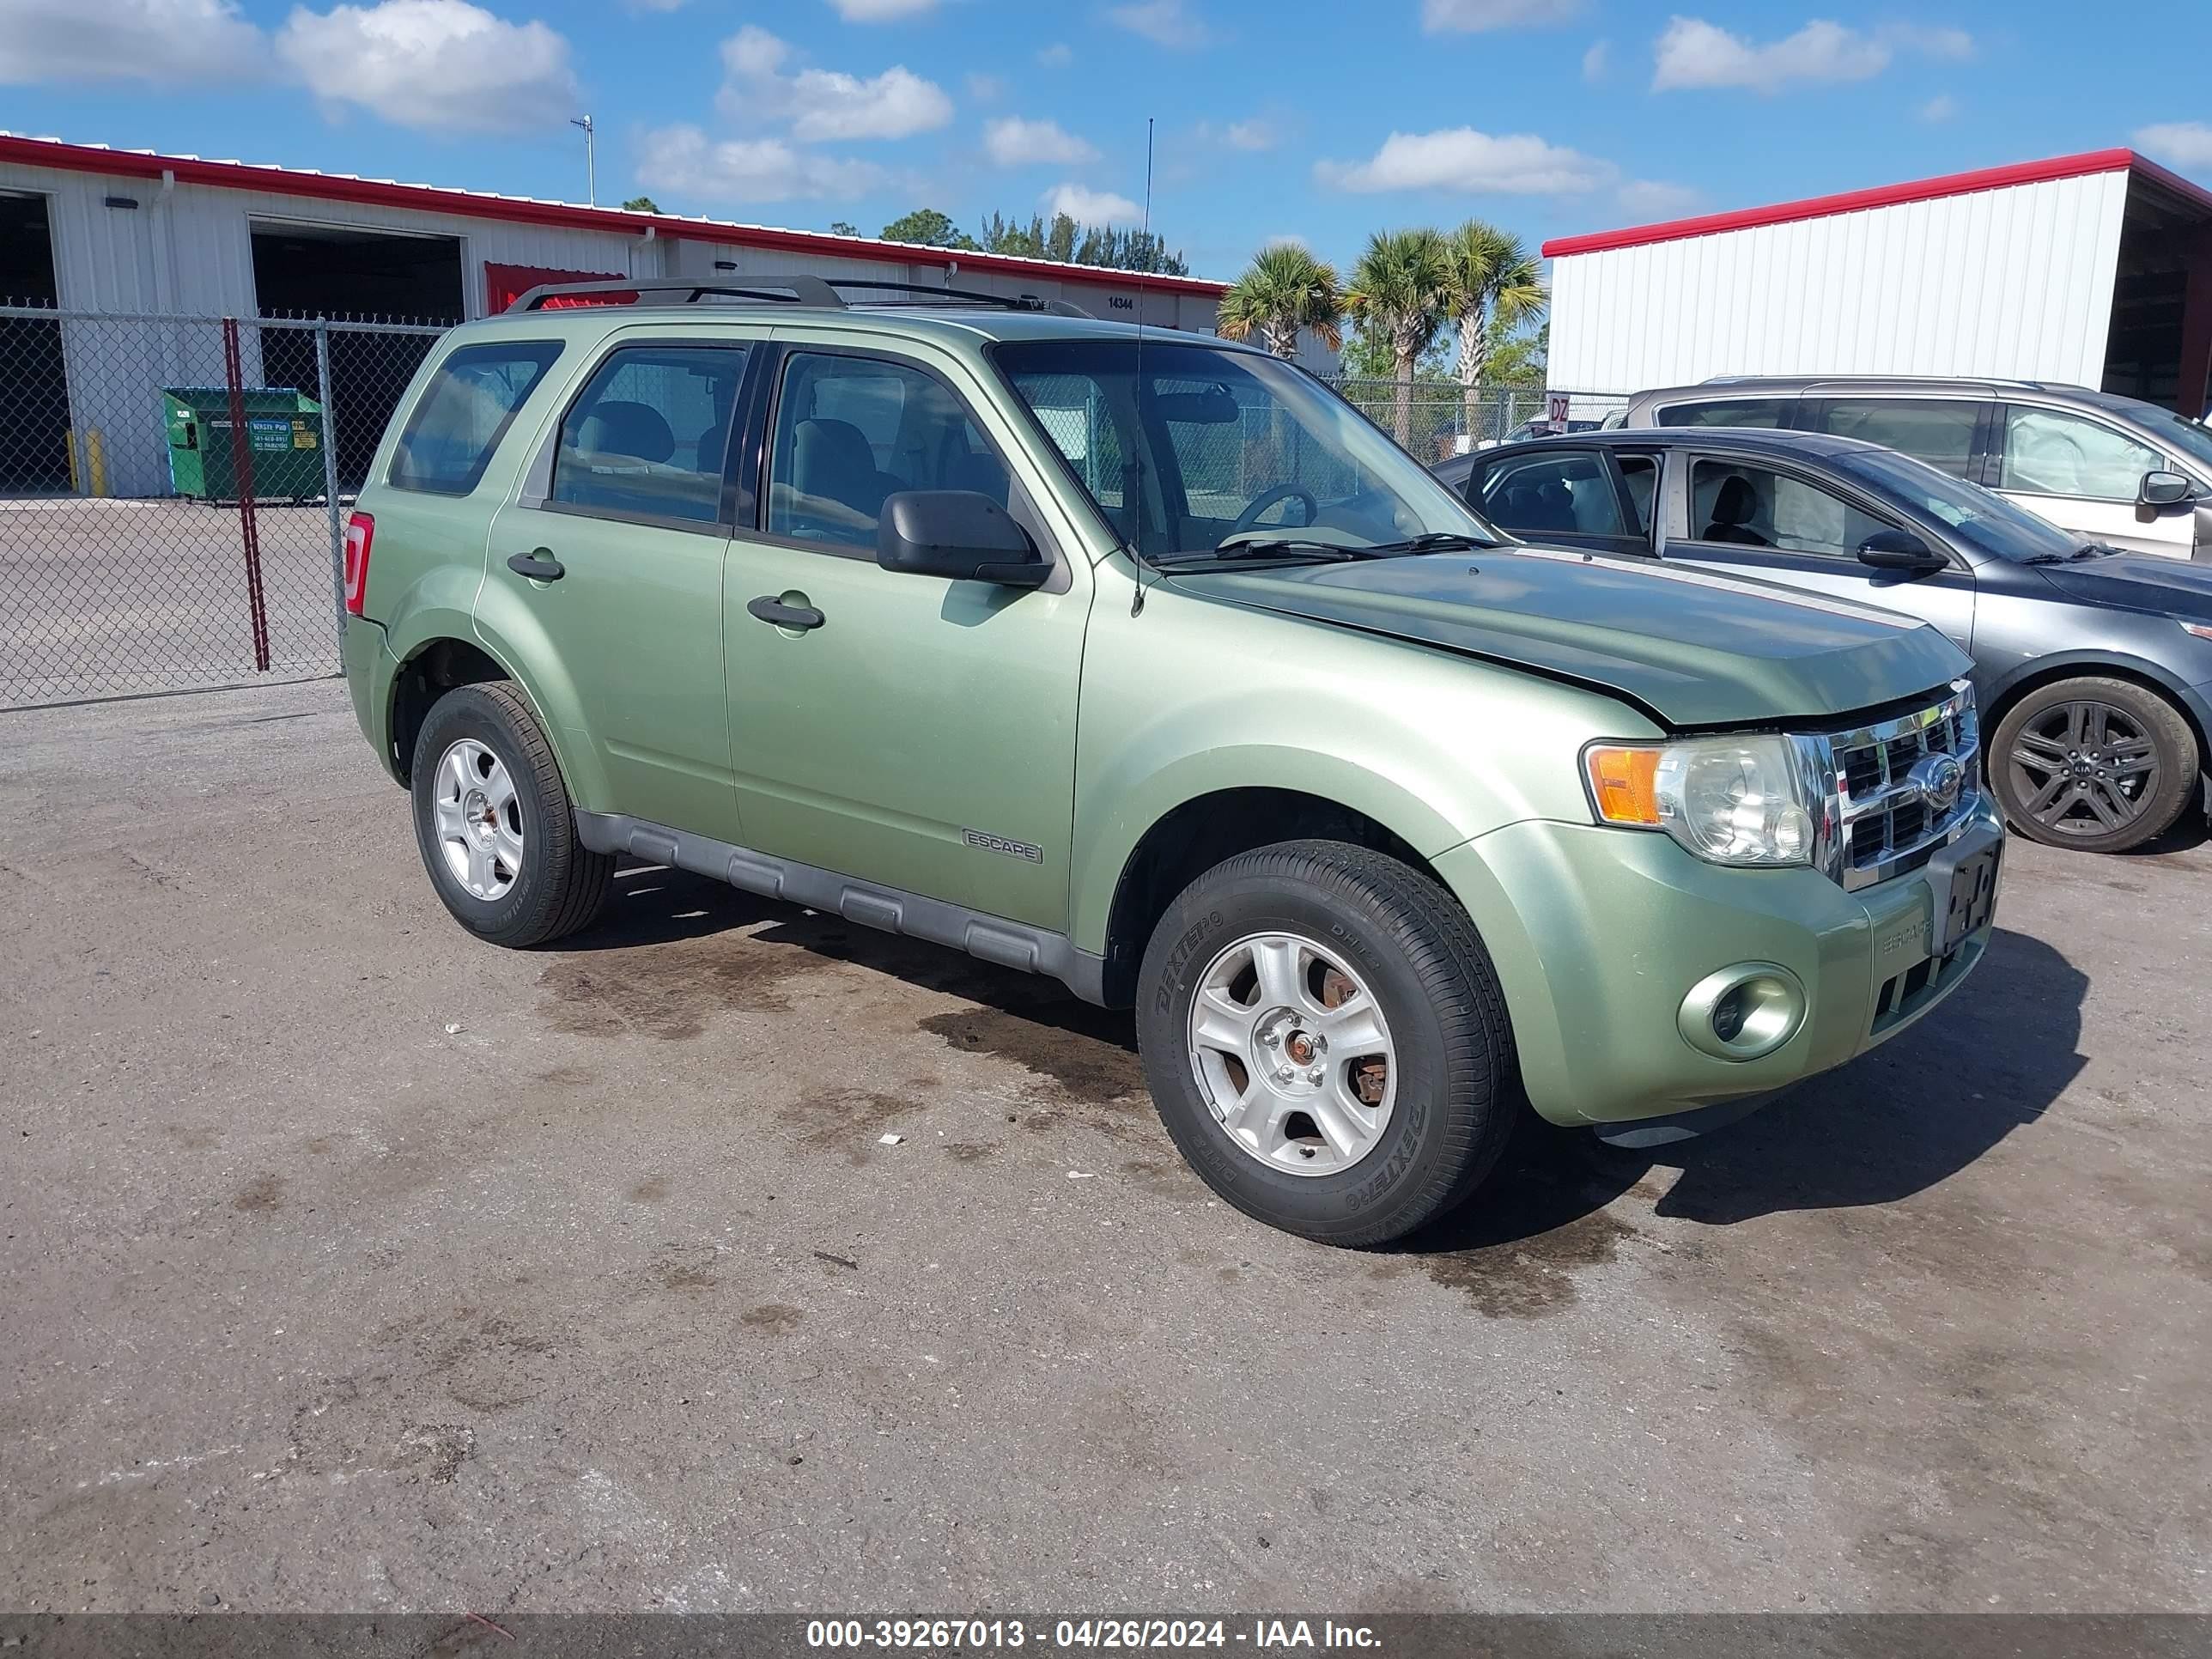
[1986, 522]
[1219, 445]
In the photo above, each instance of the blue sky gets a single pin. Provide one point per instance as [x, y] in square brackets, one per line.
[1287, 118]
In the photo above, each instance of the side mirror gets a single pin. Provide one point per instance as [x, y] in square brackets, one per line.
[2166, 489]
[957, 533]
[1899, 549]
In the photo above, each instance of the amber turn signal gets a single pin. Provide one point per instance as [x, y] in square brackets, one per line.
[1624, 782]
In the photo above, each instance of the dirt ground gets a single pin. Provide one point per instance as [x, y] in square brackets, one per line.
[351, 1265]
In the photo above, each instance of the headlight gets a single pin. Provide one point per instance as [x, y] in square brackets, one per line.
[1730, 800]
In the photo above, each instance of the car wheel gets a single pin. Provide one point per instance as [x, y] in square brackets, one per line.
[1325, 1039]
[2093, 763]
[494, 821]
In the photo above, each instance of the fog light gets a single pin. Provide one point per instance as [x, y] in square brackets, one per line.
[1743, 1013]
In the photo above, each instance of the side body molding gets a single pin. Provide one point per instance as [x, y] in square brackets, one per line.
[990, 938]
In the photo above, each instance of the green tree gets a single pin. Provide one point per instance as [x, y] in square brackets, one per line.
[1495, 290]
[1283, 292]
[843, 228]
[640, 205]
[1401, 288]
[1520, 360]
[928, 227]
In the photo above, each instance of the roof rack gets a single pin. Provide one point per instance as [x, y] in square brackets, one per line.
[802, 290]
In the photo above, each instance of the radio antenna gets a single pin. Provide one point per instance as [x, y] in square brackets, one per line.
[1137, 391]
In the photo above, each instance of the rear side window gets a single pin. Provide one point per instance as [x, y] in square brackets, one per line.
[1729, 411]
[464, 412]
[1939, 431]
[1558, 491]
[649, 437]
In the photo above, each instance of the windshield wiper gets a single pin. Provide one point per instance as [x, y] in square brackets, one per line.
[2087, 550]
[1271, 547]
[1435, 541]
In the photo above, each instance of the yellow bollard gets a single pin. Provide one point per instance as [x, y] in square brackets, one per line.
[69, 434]
[95, 455]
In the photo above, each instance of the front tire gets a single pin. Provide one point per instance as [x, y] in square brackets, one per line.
[1326, 1041]
[2093, 763]
[495, 824]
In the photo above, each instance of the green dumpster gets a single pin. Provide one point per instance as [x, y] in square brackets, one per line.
[283, 431]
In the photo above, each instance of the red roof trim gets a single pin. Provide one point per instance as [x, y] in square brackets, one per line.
[1857, 201]
[380, 193]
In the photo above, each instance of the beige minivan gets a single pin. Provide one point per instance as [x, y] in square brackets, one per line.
[2111, 469]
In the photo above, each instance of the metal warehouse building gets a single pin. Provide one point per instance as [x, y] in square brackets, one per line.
[90, 233]
[2094, 269]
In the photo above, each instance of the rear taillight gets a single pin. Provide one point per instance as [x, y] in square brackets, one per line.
[360, 532]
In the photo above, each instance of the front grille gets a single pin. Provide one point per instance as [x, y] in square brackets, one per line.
[1887, 824]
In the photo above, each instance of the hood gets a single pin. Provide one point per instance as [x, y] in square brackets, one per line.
[2139, 582]
[1695, 648]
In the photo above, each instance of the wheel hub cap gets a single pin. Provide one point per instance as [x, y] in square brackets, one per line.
[2082, 770]
[1292, 1054]
[478, 819]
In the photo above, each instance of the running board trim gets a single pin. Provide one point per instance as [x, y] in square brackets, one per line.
[990, 938]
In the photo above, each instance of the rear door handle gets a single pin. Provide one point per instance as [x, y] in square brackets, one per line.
[770, 609]
[539, 565]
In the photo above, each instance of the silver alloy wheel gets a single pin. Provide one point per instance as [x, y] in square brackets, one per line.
[1293, 1054]
[479, 819]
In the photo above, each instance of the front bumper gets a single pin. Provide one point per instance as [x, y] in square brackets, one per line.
[1599, 934]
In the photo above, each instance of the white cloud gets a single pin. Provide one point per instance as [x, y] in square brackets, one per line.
[881, 11]
[1252, 135]
[1474, 17]
[161, 42]
[438, 65]
[985, 88]
[1654, 199]
[1164, 22]
[1014, 142]
[1091, 207]
[2182, 143]
[683, 162]
[1058, 55]
[825, 104]
[1695, 54]
[1462, 159]
[1941, 107]
[1597, 61]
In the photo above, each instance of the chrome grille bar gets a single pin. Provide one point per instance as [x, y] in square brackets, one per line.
[1893, 823]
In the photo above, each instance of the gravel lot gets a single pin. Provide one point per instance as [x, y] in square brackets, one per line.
[351, 1265]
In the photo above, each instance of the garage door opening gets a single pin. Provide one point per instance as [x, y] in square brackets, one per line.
[318, 270]
[2162, 329]
[35, 417]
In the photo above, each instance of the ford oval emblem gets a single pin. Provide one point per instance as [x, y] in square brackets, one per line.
[1940, 779]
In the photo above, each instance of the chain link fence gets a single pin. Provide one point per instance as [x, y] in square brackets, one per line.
[1441, 421]
[173, 492]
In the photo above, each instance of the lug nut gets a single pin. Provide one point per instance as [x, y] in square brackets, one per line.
[1267, 1038]
[1314, 1075]
[1282, 1074]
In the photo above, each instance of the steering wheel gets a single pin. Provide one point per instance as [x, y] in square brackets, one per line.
[1266, 499]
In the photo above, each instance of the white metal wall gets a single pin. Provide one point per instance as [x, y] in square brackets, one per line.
[2014, 282]
[187, 251]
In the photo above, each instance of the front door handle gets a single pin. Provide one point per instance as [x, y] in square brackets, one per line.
[770, 609]
[539, 565]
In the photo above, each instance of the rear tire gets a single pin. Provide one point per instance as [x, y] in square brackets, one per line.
[1273, 949]
[495, 824]
[2093, 763]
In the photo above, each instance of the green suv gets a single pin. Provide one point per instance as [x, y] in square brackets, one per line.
[1142, 660]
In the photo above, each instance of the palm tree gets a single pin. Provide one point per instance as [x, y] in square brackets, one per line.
[1495, 289]
[1401, 288]
[1284, 290]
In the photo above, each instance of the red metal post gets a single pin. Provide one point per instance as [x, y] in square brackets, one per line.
[241, 451]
